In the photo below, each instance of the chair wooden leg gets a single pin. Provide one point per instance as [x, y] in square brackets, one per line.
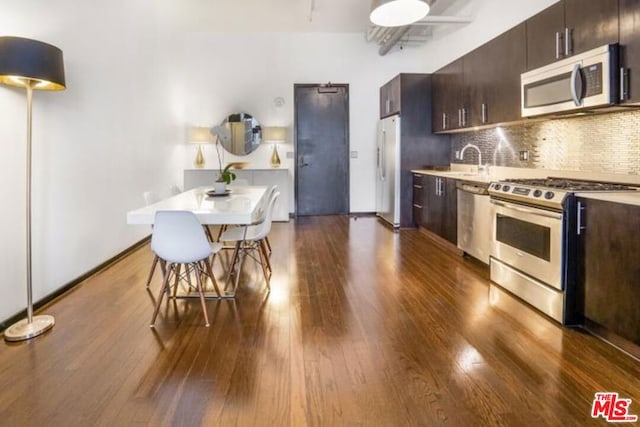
[263, 248]
[234, 257]
[207, 231]
[165, 283]
[176, 279]
[221, 230]
[153, 269]
[202, 301]
[263, 264]
[266, 239]
[213, 278]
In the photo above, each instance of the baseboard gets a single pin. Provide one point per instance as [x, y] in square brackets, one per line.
[622, 344]
[66, 288]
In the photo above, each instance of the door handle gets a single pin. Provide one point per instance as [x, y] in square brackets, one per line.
[568, 42]
[558, 45]
[580, 225]
[624, 84]
[301, 162]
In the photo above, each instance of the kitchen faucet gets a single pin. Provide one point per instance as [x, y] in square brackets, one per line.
[461, 155]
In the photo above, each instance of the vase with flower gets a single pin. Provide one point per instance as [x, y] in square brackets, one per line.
[225, 175]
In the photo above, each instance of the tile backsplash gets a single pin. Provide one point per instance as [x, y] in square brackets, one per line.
[607, 143]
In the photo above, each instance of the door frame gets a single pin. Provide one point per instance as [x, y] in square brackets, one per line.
[347, 134]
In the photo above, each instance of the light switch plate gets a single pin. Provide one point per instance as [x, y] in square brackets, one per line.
[289, 154]
[354, 154]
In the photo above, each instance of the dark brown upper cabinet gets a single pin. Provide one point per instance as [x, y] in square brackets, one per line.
[449, 97]
[570, 27]
[390, 97]
[630, 50]
[492, 78]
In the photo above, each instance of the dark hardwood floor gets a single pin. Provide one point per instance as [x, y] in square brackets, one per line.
[362, 326]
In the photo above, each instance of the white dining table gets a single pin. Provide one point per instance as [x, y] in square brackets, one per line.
[243, 205]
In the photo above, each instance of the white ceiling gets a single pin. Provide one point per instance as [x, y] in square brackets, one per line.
[278, 15]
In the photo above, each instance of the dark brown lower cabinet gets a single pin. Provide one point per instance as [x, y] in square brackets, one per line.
[435, 205]
[609, 266]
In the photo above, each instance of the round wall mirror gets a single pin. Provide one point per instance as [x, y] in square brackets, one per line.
[243, 136]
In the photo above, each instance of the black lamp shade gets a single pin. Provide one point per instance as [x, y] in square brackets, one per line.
[24, 61]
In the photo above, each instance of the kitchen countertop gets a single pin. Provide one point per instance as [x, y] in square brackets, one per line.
[496, 173]
[461, 175]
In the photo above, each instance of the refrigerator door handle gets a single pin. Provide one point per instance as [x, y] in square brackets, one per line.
[383, 156]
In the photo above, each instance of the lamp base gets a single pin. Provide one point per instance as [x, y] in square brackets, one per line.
[198, 162]
[275, 158]
[23, 330]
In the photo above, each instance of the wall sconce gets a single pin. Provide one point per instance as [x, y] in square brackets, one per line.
[200, 135]
[274, 135]
[396, 13]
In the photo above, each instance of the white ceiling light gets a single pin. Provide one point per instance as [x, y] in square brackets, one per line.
[395, 13]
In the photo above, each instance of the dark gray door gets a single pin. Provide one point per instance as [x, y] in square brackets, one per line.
[322, 147]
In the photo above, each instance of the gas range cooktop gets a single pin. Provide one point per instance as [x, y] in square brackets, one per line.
[571, 184]
[549, 192]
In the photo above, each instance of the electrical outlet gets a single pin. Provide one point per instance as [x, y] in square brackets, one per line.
[458, 154]
[524, 155]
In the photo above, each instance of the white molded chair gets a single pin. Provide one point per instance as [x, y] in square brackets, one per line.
[249, 241]
[267, 197]
[179, 240]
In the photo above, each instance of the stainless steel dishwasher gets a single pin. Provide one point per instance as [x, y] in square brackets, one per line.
[475, 219]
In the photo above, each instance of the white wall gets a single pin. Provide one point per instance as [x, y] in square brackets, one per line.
[225, 73]
[97, 145]
[231, 72]
[135, 83]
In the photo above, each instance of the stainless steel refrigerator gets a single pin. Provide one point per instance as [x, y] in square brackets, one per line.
[388, 170]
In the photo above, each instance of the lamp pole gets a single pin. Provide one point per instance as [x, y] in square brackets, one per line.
[32, 326]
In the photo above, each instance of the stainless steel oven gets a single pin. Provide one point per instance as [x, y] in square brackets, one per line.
[530, 240]
[532, 247]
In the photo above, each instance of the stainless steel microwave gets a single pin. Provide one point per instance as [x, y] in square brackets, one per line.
[587, 80]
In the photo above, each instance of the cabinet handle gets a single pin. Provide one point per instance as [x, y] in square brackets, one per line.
[441, 187]
[558, 45]
[417, 186]
[568, 42]
[484, 113]
[388, 106]
[580, 227]
[464, 116]
[444, 120]
[437, 186]
[417, 206]
[460, 117]
[624, 84]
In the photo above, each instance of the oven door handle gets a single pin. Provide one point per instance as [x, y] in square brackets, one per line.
[519, 208]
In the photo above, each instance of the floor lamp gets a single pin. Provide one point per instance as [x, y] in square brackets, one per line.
[32, 65]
